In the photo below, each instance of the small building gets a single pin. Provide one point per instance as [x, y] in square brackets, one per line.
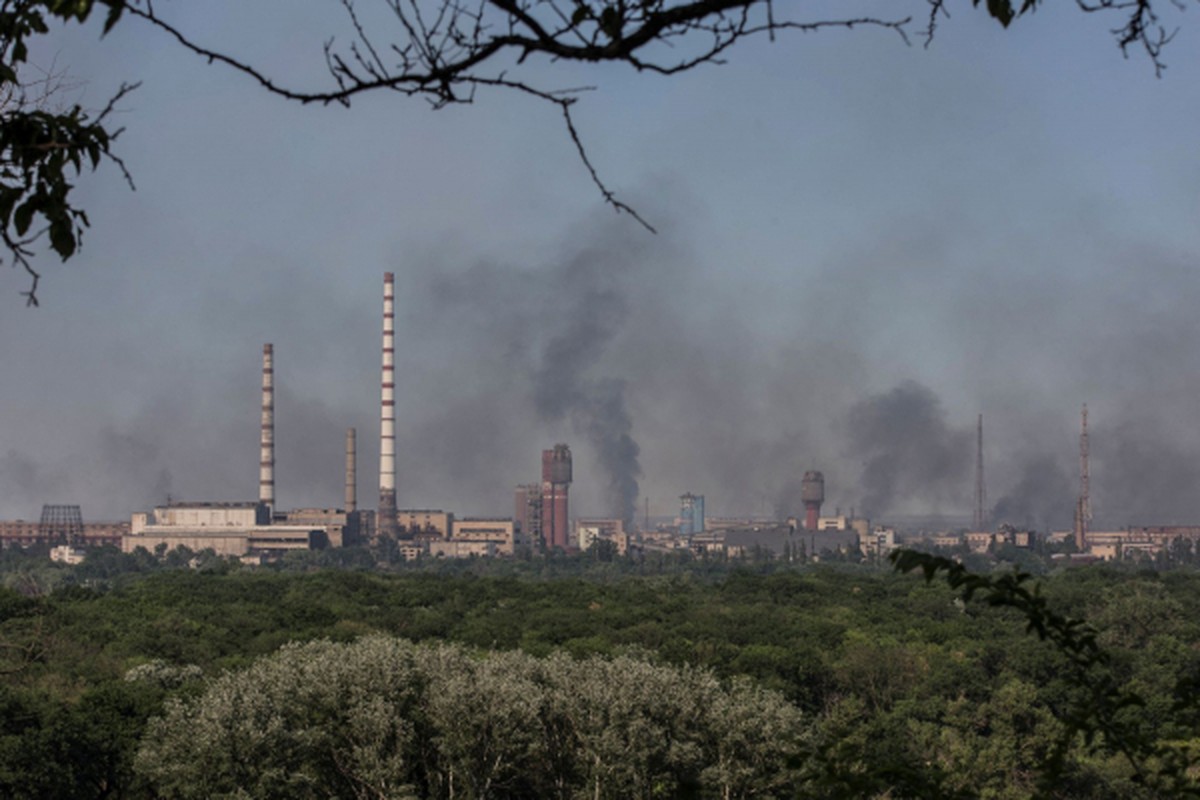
[461, 549]
[65, 554]
[879, 542]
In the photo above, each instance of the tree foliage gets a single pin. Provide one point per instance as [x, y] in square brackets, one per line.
[384, 718]
[898, 687]
[44, 141]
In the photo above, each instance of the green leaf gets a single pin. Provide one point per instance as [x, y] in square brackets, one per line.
[114, 15]
[24, 216]
[1002, 10]
[611, 22]
[62, 239]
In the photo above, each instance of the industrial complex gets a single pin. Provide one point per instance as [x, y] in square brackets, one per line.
[257, 531]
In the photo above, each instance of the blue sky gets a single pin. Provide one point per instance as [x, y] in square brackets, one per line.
[855, 236]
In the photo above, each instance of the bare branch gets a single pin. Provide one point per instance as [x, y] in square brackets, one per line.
[444, 55]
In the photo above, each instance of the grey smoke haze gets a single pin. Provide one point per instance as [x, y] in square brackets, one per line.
[853, 235]
[623, 348]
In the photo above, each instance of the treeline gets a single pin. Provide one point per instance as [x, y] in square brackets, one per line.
[893, 686]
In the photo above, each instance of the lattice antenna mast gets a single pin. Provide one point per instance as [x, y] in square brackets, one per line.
[980, 489]
[1085, 503]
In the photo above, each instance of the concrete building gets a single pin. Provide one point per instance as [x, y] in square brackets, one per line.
[590, 530]
[527, 512]
[691, 514]
[342, 528]
[501, 533]
[1139, 541]
[22, 533]
[228, 529]
[424, 523]
[65, 554]
[879, 542]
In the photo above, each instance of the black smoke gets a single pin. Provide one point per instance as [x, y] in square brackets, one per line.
[912, 458]
[1042, 499]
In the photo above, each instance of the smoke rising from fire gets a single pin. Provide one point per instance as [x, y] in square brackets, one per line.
[665, 377]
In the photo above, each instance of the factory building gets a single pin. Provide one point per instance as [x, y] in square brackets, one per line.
[426, 524]
[228, 529]
[1139, 541]
[502, 533]
[254, 529]
[23, 533]
[342, 528]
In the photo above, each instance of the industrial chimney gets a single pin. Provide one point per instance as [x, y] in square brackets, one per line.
[351, 471]
[812, 492]
[386, 524]
[266, 461]
[556, 482]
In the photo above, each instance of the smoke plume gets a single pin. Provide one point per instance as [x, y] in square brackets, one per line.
[1042, 499]
[912, 458]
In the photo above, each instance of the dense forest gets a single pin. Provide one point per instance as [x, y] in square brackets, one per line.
[139, 677]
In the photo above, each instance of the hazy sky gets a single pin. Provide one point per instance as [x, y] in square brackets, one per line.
[862, 246]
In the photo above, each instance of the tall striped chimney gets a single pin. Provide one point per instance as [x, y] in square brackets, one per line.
[266, 460]
[386, 523]
[351, 469]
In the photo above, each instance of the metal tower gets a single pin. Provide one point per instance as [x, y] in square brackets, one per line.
[980, 489]
[61, 525]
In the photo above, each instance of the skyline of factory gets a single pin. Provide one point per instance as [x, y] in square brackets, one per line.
[540, 510]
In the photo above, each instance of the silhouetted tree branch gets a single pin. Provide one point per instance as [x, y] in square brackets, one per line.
[444, 50]
[43, 145]
[441, 50]
[1095, 716]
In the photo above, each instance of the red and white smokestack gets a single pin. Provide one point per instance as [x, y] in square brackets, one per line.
[387, 427]
[351, 471]
[812, 493]
[266, 461]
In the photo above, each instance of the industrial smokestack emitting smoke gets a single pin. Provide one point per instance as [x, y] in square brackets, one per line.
[351, 471]
[812, 493]
[266, 463]
[387, 427]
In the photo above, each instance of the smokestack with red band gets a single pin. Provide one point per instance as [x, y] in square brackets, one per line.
[266, 461]
[387, 428]
[351, 471]
[812, 493]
